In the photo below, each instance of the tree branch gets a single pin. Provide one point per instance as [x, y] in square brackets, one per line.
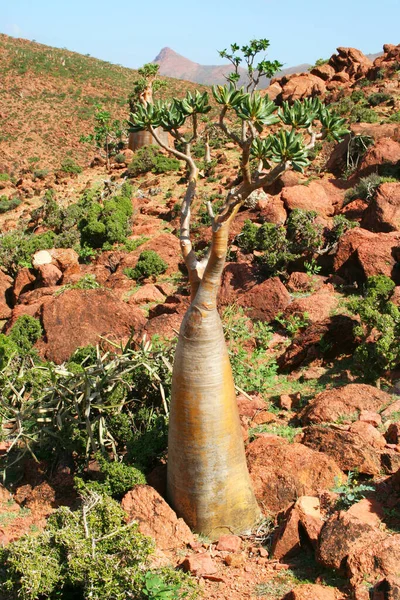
[225, 129]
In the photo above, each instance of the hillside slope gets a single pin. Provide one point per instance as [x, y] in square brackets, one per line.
[48, 98]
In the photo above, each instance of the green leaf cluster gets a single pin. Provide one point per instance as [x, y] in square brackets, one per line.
[149, 264]
[379, 331]
[151, 159]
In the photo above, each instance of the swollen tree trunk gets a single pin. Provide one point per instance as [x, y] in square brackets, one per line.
[208, 483]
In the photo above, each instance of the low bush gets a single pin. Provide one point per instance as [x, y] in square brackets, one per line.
[4, 177]
[150, 264]
[379, 98]
[70, 166]
[366, 188]
[379, 329]
[395, 117]
[86, 554]
[358, 96]
[151, 159]
[7, 204]
[361, 114]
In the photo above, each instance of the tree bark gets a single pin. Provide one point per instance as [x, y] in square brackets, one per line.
[208, 482]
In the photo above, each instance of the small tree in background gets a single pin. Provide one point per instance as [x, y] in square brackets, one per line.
[208, 482]
[107, 134]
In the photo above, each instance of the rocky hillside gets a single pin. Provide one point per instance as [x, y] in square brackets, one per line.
[175, 65]
[310, 302]
[48, 100]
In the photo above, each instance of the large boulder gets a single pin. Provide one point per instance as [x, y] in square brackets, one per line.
[5, 295]
[265, 300]
[351, 61]
[80, 317]
[347, 448]
[302, 86]
[156, 518]
[386, 152]
[383, 213]
[308, 197]
[331, 405]
[328, 339]
[237, 278]
[361, 253]
[317, 306]
[281, 472]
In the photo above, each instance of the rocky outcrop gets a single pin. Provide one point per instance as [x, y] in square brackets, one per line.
[156, 518]
[281, 472]
[346, 401]
[308, 197]
[383, 213]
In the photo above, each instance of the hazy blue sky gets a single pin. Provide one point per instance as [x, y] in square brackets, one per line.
[132, 34]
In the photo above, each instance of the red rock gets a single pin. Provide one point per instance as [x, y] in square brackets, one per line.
[302, 86]
[236, 279]
[368, 511]
[369, 434]
[263, 417]
[281, 472]
[265, 300]
[393, 433]
[324, 72]
[167, 247]
[393, 408]
[305, 513]
[199, 565]
[146, 293]
[361, 254]
[387, 589]
[385, 152]
[302, 282]
[49, 275]
[318, 306]
[64, 257]
[337, 335]
[373, 559]
[5, 295]
[352, 61]
[285, 401]
[229, 543]
[156, 518]
[368, 416]
[332, 404]
[383, 213]
[377, 130]
[249, 408]
[346, 448]
[23, 282]
[235, 560]
[272, 210]
[308, 197]
[80, 317]
[340, 536]
[311, 591]
[274, 90]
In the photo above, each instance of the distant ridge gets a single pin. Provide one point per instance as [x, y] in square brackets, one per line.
[175, 65]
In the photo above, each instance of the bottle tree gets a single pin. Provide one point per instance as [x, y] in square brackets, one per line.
[208, 482]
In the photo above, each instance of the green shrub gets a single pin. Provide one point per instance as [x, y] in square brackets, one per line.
[117, 478]
[89, 554]
[350, 492]
[395, 117]
[70, 166]
[40, 173]
[25, 332]
[7, 204]
[379, 98]
[17, 248]
[8, 349]
[304, 234]
[151, 159]
[4, 177]
[379, 330]
[360, 114]
[366, 188]
[120, 158]
[357, 96]
[149, 264]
